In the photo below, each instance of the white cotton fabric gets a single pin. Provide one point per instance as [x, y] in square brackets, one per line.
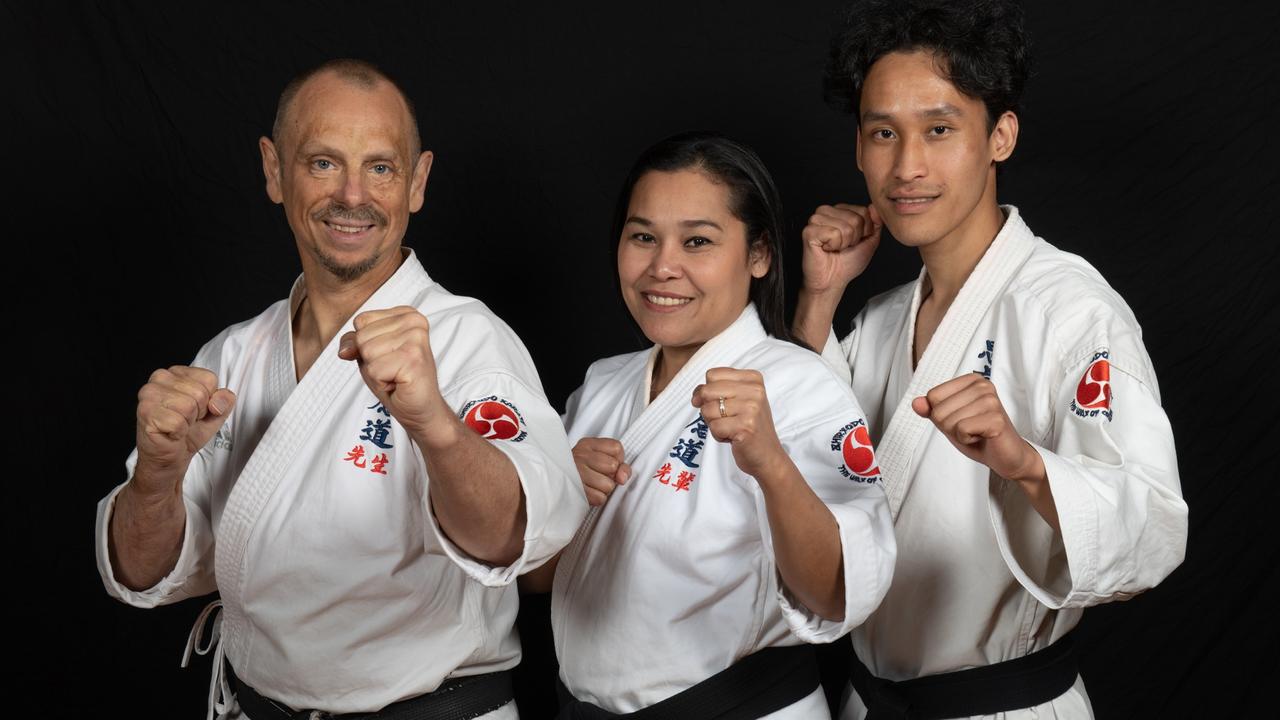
[663, 587]
[340, 590]
[981, 578]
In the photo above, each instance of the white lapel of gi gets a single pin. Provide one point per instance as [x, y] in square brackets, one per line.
[303, 414]
[897, 450]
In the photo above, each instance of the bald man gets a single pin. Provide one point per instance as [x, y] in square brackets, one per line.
[361, 470]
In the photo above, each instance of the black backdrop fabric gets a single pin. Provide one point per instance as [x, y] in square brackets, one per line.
[1147, 146]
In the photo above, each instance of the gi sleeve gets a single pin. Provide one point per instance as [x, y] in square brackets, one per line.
[835, 457]
[839, 354]
[520, 423]
[1109, 456]
[192, 576]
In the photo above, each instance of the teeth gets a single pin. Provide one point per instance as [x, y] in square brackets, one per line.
[667, 301]
[914, 200]
[349, 230]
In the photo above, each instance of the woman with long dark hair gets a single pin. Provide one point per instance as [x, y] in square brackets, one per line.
[739, 513]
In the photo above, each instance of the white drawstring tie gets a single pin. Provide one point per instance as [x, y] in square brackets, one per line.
[220, 697]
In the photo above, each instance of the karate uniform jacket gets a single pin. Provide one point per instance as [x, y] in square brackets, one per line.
[981, 577]
[309, 511]
[674, 578]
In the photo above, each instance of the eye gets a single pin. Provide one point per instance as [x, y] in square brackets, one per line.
[643, 237]
[381, 169]
[697, 241]
[939, 130]
[882, 134]
[322, 164]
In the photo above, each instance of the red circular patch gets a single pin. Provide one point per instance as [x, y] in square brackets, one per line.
[858, 455]
[493, 420]
[1094, 390]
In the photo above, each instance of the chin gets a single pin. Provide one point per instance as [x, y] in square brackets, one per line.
[346, 269]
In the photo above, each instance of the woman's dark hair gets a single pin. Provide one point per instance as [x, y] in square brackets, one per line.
[753, 199]
[981, 43]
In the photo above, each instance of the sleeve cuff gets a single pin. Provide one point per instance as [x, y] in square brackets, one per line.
[170, 587]
[1053, 580]
[835, 356]
[541, 541]
[868, 551]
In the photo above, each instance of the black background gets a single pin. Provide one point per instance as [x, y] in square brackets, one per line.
[141, 229]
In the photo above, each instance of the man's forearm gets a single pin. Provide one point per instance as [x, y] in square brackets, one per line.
[814, 315]
[144, 539]
[475, 494]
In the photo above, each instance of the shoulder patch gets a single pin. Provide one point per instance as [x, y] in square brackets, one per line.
[1093, 393]
[494, 418]
[853, 443]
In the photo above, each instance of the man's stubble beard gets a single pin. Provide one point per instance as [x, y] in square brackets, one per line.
[346, 273]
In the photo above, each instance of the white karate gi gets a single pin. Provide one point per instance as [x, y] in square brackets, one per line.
[981, 578]
[671, 583]
[309, 512]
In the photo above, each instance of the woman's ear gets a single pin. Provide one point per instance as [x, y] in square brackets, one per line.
[759, 258]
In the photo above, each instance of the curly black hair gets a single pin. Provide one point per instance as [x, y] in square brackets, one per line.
[981, 43]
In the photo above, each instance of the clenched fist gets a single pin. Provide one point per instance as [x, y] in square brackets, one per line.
[602, 467]
[969, 413]
[393, 349]
[734, 404]
[179, 410]
[838, 244]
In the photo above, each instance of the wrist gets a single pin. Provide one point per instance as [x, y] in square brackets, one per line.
[1031, 470]
[823, 299]
[442, 432]
[774, 472]
[154, 485]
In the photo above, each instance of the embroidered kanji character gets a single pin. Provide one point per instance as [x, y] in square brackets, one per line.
[356, 456]
[698, 427]
[376, 431]
[686, 451]
[684, 479]
[377, 407]
[379, 462]
[664, 474]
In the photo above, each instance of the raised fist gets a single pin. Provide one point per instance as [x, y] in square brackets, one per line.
[179, 410]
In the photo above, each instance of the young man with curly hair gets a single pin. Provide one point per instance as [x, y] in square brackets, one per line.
[1029, 466]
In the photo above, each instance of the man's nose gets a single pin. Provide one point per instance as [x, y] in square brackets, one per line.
[353, 191]
[911, 161]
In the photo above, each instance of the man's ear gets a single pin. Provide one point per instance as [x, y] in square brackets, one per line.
[1004, 136]
[271, 169]
[857, 144]
[418, 186]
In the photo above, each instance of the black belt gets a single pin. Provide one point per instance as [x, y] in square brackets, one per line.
[758, 684]
[460, 698]
[1011, 685]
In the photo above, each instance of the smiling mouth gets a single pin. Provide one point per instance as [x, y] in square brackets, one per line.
[666, 301]
[348, 229]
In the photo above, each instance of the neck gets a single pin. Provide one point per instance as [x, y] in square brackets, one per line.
[330, 302]
[950, 260]
[670, 361]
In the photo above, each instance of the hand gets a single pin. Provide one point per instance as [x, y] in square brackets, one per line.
[602, 467]
[179, 410]
[393, 350]
[838, 244]
[967, 411]
[747, 422]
